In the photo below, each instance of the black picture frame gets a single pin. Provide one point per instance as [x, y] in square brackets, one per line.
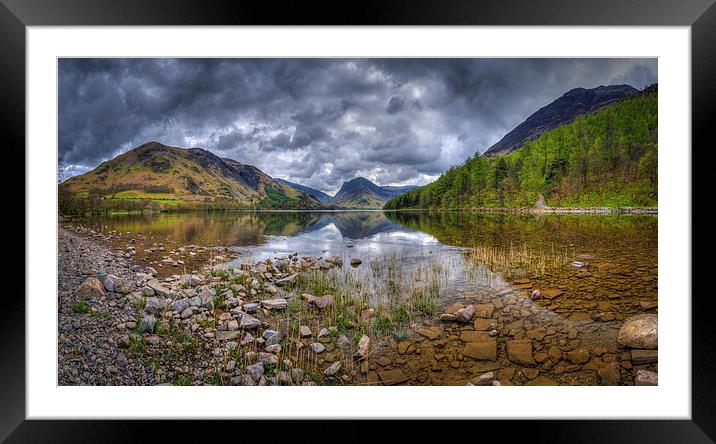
[700, 15]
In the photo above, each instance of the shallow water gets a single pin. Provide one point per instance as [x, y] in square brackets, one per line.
[618, 279]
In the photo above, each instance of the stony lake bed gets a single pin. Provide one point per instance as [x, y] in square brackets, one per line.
[358, 298]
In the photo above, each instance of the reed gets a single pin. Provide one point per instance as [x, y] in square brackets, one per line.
[515, 260]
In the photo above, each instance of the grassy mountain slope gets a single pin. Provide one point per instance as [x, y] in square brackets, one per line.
[159, 177]
[603, 159]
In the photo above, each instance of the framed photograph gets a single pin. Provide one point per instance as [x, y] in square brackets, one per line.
[228, 219]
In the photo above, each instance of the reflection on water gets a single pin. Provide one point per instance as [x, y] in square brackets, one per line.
[622, 249]
[367, 236]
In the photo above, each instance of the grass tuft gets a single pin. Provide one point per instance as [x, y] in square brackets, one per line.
[81, 307]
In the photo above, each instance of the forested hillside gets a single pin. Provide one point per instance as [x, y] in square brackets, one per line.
[604, 159]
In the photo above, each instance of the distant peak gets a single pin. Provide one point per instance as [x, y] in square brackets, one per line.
[574, 91]
[359, 179]
[601, 89]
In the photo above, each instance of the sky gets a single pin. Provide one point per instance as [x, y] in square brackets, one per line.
[317, 122]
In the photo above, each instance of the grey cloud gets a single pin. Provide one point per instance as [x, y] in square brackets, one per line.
[395, 105]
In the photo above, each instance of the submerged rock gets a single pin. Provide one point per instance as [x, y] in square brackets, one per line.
[551, 293]
[484, 379]
[578, 356]
[611, 374]
[392, 377]
[541, 380]
[485, 350]
[639, 357]
[640, 331]
[520, 352]
[465, 314]
[448, 317]
[431, 333]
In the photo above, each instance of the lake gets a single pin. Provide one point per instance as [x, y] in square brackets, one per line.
[591, 271]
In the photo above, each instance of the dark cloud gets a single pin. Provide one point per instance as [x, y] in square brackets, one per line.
[395, 105]
[317, 121]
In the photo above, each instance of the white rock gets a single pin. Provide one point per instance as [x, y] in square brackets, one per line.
[363, 347]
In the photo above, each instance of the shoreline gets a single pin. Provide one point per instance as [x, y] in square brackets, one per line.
[537, 211]
[122, 323]
[650, 211]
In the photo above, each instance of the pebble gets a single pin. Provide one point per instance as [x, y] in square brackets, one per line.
[317, 347]
[256, 371]
[332, 369]
[646, 377]
[363, 347]
[248, 339]
[251, 308]
[273, 348]
[147, 324]
[249, 322]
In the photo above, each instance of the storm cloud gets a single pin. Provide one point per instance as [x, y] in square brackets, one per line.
[318, 122]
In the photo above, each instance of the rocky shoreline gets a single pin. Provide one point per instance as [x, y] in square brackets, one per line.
[122, 322]
[121, 325]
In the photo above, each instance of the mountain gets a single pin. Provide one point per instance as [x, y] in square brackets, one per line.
[362, 193]
[320, 195]
[565, 109]
[170, 177]
[608, 158]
